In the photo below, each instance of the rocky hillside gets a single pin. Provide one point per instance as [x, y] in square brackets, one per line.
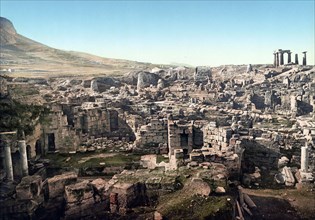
[21, 56]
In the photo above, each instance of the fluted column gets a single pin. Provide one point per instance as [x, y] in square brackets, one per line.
[281, 58]
[23, 155]
[296, 59]
[289, 57]
[304, 58]
[275, 59]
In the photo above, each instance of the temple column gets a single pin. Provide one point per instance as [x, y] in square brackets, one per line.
[296, 59]
[23, 155]
[289, 57]
[304, 58]
[275, 59]
[281, 58]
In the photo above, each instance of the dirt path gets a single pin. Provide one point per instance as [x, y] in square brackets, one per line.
[283, 204]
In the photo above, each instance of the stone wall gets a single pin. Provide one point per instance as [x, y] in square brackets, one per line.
[153, 134]
[217, 138]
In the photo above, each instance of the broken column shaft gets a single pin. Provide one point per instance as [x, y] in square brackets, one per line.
[23, 155]
[304, 159]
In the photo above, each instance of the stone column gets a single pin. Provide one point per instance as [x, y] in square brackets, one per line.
[275, 59]
[8, 162]
[289, 57]
[6, 139]
[296, 59]
[23, 155]
[281, 58]
[304, 58]
[304, 159]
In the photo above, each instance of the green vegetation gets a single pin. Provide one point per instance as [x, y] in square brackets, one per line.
[116, 160]
[24, 91]
[287, 123]
[178, 206]
[160, 158]
[62, 160]
[18, 116]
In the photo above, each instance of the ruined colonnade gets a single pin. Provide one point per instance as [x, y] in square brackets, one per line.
[7, 140]
[279, 57]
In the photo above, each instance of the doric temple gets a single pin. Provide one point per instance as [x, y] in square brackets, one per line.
[279, 57]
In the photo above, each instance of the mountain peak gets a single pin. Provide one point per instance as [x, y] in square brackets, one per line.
[7, 32]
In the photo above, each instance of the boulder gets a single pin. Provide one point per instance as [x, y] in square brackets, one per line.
[198, 186]
[145, 79]
[131, 78]
[160, 84]
[202, 74]
[101, 84]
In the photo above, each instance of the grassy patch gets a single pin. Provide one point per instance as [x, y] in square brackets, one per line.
[60, 160]
[160, 158]
[24, 91]
[117, 160]
[180, 206]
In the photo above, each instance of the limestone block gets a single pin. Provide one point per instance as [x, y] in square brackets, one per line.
[198, 157]
[100, 187]
[56, 184]
[29, 188]
[78, 192]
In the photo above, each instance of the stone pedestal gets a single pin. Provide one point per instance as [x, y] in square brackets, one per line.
[23, 155]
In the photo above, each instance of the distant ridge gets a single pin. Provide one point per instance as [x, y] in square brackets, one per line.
[26, 57]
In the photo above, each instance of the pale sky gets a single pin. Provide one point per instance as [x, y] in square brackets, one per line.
[190, 32]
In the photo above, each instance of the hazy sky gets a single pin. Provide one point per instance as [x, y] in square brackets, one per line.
[191, 32]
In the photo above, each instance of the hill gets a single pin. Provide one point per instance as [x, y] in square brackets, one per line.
[21, 56]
